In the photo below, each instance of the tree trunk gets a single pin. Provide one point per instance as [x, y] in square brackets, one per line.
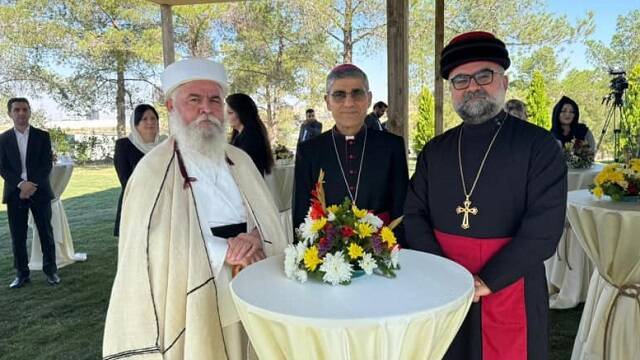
[120, 93]
[347, 40]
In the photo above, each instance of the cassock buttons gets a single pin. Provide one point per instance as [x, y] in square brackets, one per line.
[352, 172]
[352, 188]
[352, 157]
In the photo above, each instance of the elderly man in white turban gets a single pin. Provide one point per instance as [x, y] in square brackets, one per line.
[193, 208]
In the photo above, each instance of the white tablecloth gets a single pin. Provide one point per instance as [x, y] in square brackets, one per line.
[414, 316]
[65, 254]
[280, 183]
[610, 234]
[569, 269]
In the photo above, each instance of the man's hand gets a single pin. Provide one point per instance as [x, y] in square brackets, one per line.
[243, 246]
[27, 189]
[481, 289]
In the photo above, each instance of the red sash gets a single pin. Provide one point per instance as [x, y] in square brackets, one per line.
[503, 313]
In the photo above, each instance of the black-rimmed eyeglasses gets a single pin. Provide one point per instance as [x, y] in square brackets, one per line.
[482, 77]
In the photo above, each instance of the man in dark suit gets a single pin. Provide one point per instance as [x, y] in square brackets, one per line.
[25, 164]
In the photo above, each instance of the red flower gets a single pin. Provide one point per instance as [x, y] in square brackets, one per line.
[347, 231]
[316, 210]
[323, 242]
[633, 190]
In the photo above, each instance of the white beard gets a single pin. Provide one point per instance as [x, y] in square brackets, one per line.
[209, 142]
[477, 111]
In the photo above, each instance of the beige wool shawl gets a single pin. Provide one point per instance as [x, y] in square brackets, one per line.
[164, 298]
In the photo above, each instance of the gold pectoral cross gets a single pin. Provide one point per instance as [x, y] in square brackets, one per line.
[466, 209]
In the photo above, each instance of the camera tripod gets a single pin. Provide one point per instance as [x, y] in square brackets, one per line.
[616, 116]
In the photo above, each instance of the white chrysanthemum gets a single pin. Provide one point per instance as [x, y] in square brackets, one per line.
[372, 220]
[290, 261]
[306, 230]
[331, 216]
[301, 247]
[367, 263]
[301, 275]
[336, 269]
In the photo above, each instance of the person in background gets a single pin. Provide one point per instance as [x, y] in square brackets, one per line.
[310, 128]
[25, 165]
[372, 121]
[565, 124]
[249, 132]
[143, 137]
[516, 108]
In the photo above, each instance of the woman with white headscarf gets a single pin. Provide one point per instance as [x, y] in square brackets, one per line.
[143, 137]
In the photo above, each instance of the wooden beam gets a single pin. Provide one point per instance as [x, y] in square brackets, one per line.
[438, 83]
[398, 67]
[168, 50]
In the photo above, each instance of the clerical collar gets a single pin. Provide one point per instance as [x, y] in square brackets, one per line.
[342, 138]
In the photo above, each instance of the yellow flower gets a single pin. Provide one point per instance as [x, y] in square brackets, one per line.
[358, 212]
[311, 259]
[364, 230]
[597, 192]
[635, 165]
[355, 251]
[319, 224]
[333, 208]
[388, 237]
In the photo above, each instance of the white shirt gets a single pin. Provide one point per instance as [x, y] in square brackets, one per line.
[23, 140]
[219, 202]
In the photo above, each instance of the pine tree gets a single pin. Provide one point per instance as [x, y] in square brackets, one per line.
[538, 102]
[425, 125]
[631, 110]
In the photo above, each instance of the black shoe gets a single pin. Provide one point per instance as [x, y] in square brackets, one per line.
[19, 281]
[53, 279]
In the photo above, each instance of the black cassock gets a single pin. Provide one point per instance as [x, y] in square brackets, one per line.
[383, 181]
[521, 201]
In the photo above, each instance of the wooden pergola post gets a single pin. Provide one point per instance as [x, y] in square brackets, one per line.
[398, 67]
[168, 50]
[437, 79]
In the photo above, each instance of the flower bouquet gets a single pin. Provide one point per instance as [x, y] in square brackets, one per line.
[282, 154]
[339, 242]
[619, 181]
[578, 154]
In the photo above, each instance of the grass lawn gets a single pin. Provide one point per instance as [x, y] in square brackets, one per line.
[66, 321]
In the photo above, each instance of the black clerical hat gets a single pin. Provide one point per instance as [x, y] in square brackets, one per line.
[473, 46]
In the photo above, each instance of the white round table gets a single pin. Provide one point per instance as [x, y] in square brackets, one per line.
[610, 234]
[414, 316]
[65, 254]
[569, 269]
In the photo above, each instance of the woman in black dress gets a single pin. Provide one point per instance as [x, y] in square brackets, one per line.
[249, 132]
[143, 137]
[566, 126]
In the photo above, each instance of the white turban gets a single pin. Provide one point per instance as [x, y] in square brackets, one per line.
[191, 69]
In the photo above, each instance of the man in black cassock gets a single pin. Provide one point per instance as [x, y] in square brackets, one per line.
[491, 195]
[367, 166]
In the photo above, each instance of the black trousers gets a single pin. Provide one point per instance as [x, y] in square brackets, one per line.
[18, 214]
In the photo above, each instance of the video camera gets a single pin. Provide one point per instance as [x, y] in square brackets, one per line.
[619, 83]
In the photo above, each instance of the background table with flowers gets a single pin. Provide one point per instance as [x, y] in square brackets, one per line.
[413, 316]
[569, 269]
[609, 233]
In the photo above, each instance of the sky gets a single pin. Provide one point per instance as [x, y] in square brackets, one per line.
[605, 13]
